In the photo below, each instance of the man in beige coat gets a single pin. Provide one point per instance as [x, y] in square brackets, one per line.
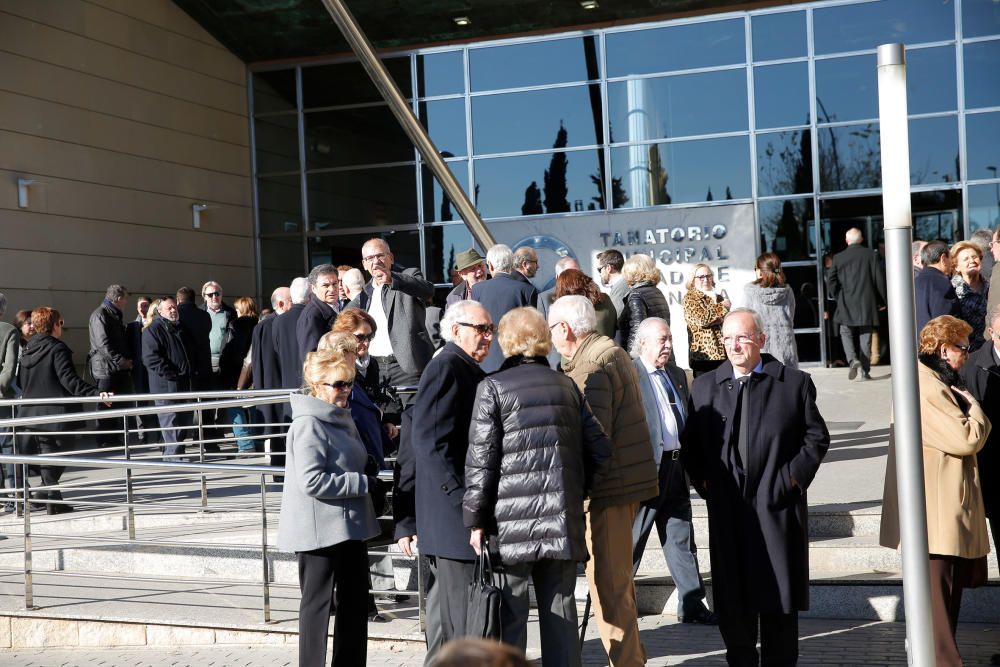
[606, 376]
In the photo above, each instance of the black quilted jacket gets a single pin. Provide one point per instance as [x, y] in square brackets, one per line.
[535, 450]
[641, 301]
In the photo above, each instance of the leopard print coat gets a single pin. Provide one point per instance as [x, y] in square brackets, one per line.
[703, 316]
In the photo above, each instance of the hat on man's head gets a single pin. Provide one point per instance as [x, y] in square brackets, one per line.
[468, 258]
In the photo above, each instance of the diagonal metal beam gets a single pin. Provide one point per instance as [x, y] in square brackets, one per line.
[404, 114]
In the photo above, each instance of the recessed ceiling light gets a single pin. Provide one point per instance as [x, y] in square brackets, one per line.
[462, 20]
[589, 4]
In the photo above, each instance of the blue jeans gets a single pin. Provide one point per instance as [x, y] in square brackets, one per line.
[241, 419]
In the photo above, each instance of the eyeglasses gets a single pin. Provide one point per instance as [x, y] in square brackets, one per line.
[963, 348]
[707, 276]
[375, 257]
[340, 384]
[364, 338]
[553, 326]
[730, 341]
[212, 295]
[481, 329]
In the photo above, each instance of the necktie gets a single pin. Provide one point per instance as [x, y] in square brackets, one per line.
[744, 435]
[673, 397]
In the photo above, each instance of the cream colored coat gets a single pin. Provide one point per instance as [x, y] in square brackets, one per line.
[956, 520]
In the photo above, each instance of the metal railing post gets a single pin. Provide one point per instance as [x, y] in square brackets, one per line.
[130, 512]
[29, 588]
[420, 595]
[201, 455]
[265, 579]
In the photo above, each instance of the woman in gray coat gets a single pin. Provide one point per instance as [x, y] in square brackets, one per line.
[774, 301]
[535, 449]
[327, 514]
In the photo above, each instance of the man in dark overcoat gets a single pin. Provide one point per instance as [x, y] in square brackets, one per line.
[321, 312]
[286, 345]
[264, 363]
[502, 294]
[856, 279]
[439, 439]
[752, 445]
[933, 293]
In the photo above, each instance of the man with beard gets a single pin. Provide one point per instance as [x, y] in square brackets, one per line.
[167, 352]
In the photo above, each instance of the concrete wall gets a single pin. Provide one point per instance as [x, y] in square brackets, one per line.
[125, 113]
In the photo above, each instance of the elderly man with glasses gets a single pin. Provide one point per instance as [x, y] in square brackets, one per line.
[752, 443]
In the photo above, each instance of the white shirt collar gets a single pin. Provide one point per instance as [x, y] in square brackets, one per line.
[756, 369]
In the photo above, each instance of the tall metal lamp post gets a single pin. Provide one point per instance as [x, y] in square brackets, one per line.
[903, 338]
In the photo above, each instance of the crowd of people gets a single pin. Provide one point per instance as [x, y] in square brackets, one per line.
[547, 430]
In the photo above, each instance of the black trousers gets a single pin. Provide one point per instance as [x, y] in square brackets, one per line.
[451, 584]
[390, 373]
[116, 383]
[41, 444]
[779, 639]
[342, 567]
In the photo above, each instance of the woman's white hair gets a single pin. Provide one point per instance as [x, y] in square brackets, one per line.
[577, 312]
[457, 312]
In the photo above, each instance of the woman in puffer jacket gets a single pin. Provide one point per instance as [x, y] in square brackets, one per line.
[535, 450]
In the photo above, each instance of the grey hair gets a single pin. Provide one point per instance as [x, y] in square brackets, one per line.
[757, 321]
[378, 239]
[354, 278]
[322, 270]
[982, 238]
[501, 258]
[854, 236]
[456, 312]
[299, 289]
[645, 331]
[3, 303]
[577, 312]
[523, 255]
[115, 292]
[563, 263]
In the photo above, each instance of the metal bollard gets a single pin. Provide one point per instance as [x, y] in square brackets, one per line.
[130, 515]
[201, 456]
[29, 588]
[265, 579]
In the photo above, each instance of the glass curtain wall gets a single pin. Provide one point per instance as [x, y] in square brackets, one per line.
[776, 107]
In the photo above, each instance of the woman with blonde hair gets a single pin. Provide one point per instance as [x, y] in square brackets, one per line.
[704, 310]
[954, 428]
[972, 291]
[774, 301]
[326, 513]
[643, 299]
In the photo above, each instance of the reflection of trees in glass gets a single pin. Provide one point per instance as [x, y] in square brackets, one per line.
[451, 261]
[618, 195]
[790, 230]
[729, 193]
[709, 196]
[658, 177]
[532, 200]
[786, 163]
[555, 176]
[854, 166]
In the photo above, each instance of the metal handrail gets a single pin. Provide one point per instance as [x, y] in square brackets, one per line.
[117, 398]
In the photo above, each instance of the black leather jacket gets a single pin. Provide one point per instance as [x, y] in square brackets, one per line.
[535, 450]
[108, 348]
[642, 300]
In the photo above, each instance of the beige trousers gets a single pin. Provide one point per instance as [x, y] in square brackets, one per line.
[612, 588]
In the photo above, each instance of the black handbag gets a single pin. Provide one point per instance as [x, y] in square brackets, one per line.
[482, 619]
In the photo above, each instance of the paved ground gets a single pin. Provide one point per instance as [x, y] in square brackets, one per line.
[823, 643]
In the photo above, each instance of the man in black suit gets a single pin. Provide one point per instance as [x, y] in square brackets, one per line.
[321, 312]
[264, 364]
[396, 299]
[934, 294]
[502, 294]
[439, 440]
[752, 444]
[198, 325]
[665, 397]
[857, 281]
[286, 345]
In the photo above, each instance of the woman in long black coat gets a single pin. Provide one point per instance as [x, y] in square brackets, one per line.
[47, 371]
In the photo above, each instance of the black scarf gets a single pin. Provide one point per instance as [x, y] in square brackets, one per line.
[948, 375]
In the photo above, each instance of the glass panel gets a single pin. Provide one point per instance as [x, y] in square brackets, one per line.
[982, 76]
[438, 208]
[786, 227]
[982, 136]
[984, 206]
[346, 249]
[930, 80]
[677, 106]
[784, 163]
[363, 198]
[534, 184]
[802, 280]
[274, 91]
[280, 261]
[277, 143]
[865, 26]
[808, 344]
[442, 243]
[846, 89]
[279, 204]
[534, 64]
[779, 36]
[781, 95]
[934, 150]
[364, 135]
[980, 18]
[682, 172]
[445, 122]
[440, 74]
[849, 157]
[675, 48]
[937, 215]
[537, 119]
[348, 83]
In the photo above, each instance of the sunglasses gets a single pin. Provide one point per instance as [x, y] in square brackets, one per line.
[364, 338]
[212, 295]
[481, 329]
[340, 384]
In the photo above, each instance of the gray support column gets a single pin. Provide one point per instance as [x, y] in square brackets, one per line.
[903, 338]
[411, 125]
